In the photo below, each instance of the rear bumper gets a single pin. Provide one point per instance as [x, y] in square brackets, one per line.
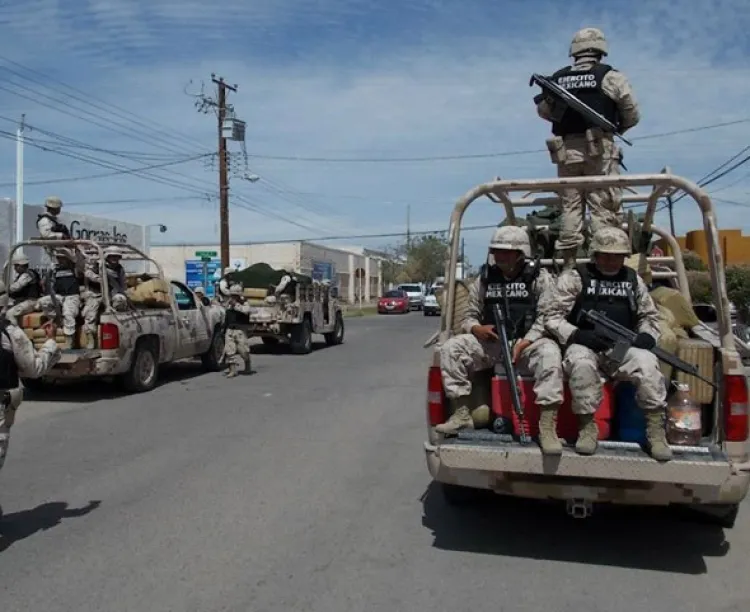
[616, 474]
[81, 364]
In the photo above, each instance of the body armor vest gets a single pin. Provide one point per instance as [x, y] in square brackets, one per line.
[32, 291]
[612, 295]
[517, 298]
[57, 227]
[66, 282]
[587, 87]
[235, 317]
[8, 367]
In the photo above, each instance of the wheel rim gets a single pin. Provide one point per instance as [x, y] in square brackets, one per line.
[146, 367]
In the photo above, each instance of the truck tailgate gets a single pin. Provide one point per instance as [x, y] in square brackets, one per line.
[623, 461]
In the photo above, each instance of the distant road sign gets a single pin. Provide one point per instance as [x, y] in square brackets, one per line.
[208, 254]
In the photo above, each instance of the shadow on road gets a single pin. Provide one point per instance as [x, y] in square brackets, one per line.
[629, 537]
[24, 524]
[94, 390]
[281, 348]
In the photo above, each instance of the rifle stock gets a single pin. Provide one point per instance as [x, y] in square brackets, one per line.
[623, 339]
[567, 100]
[510, 371]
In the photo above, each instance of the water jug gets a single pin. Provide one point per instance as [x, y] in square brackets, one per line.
[683, 418]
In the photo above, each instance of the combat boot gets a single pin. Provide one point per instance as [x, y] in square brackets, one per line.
[656, 436]
[69, 342]
[588, 434]
[460, 419]
[548, 440]
[232, 371]
[90, 340]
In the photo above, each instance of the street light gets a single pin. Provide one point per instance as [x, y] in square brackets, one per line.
[162, 229]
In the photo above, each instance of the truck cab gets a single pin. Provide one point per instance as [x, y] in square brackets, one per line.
[711, 477]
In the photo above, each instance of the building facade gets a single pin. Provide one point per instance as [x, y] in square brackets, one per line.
[356, 272]
[735, 248]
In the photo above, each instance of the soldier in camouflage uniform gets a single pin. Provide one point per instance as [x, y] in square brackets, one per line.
[607, 285]
[25, 290]
[580, 149]
[236, 342]
[67, 291]
[116, 283]
[521, 289]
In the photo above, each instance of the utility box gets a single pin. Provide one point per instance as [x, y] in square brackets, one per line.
[233, 129]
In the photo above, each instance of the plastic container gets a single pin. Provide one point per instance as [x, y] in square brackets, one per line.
[684, 427]
[630, 422]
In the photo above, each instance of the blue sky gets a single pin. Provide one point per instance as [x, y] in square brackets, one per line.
[349, 79]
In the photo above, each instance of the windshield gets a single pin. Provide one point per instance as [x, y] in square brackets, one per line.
[394, 294]
[411, 288]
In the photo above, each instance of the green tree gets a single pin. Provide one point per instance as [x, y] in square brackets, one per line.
[738, 290]
[700, 287]
[425, 258]
[693, 261]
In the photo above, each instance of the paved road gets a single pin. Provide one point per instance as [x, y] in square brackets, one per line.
[304, 487]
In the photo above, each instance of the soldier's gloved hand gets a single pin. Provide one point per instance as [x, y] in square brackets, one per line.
[644, 341]
[587, 338]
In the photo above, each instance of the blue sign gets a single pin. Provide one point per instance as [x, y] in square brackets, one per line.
[322, 270]
[201, 274]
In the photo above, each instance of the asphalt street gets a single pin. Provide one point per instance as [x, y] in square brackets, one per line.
[304, 487]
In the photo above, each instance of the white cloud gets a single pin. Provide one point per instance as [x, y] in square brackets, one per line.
[450, 85]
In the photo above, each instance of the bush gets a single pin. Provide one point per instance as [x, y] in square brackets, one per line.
[738, 290]
[700, 287]
[693, 261]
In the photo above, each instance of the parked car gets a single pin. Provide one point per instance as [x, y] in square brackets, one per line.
[431, 306]
[414, 292]
[394, 301]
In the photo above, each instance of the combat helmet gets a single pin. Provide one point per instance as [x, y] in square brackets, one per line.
[587, 40]
[610, 240]
[53, 202]
[511, 238]
[235, 290]
[20, 259]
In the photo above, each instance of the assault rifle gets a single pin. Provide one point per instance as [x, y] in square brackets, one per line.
[564, 100]
[49, 283]
[510, 372]
[623, 339]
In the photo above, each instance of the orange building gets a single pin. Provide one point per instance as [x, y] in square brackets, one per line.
[735, 247]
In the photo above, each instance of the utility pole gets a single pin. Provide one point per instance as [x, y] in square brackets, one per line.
[408, 226]
[19, 179]
[670, 207]
[223, 174]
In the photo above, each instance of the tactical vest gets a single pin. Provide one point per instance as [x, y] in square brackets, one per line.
[612, 295]
[235, 317]
[113, 279]
[66, 282]
[587, 87]
[8, 367]
[516, 297]
[32, 291]
[57, 227]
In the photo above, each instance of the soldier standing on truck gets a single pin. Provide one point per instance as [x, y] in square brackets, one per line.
[25, 290]
[236, 342]
[580, 149]
[521, 289]
[66, 292]
[607, 285]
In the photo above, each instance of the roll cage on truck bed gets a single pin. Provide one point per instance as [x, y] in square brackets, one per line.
[712, 478]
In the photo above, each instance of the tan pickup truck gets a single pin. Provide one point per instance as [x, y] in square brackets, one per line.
[164, 322]
[711, 477]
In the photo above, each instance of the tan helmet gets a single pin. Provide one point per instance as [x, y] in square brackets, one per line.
[610, 240]
[511, 238]
[20, 259]
[587, 40]
[112, 251]
[199, 289]
[235, 290]
[53, 202]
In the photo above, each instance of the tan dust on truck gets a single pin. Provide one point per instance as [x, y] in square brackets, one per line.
[711, 477]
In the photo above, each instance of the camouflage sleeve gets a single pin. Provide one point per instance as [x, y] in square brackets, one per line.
[543, 288]
[31, 363]
[648, 314]
[90, 274]
[562, 299]
[616, 85]
[45, 226]
[544, 110]
[474, 308]
[22, 281]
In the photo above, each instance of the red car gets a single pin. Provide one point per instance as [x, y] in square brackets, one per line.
[394, 301]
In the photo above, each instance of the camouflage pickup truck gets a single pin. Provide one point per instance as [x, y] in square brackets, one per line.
[164, 322]
[295, 315]
[711, 477]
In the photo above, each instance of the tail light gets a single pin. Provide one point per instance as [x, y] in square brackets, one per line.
[735, 408]
[435, 405]
[110, 336]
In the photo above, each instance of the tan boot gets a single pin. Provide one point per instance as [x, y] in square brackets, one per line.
[460, 418]
[232, 371]
[90, 340]
[548, 440]
[656, 436]
[69, 342]
[588, 434]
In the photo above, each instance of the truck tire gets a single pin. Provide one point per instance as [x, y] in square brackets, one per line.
[301, 340]
[212, 358]
[337, 335]
[144, 370]
[720, 515]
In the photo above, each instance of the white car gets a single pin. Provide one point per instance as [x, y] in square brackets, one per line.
[414, 291]
[430, 305]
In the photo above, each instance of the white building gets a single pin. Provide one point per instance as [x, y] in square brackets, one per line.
[356, 271]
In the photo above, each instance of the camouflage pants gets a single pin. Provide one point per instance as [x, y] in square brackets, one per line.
[603, 204]
[19, 309]
[237, 349]
[583, 370]
[7, 417]
[71, 307]
[465, 354]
